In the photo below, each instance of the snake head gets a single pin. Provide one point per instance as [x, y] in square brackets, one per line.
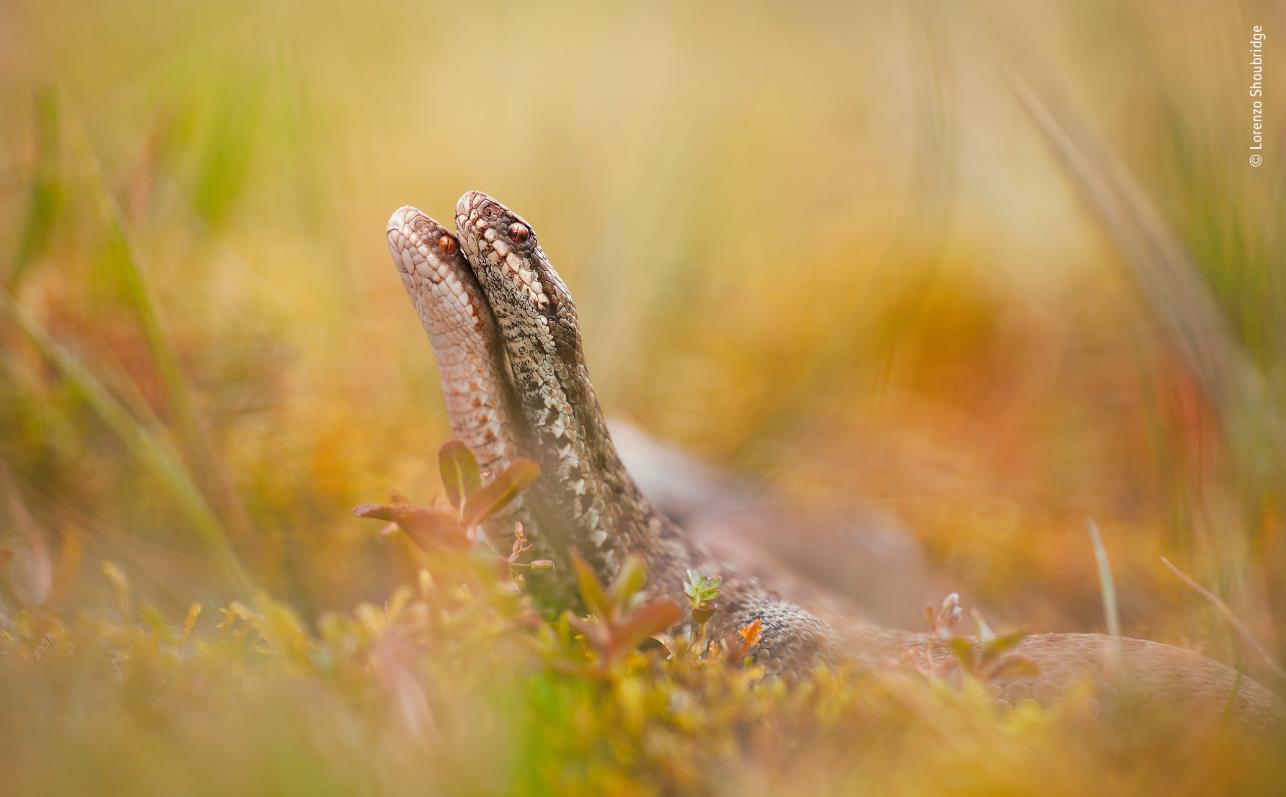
[497, 239]
[455, 314]
[422, 248]
[435, 273]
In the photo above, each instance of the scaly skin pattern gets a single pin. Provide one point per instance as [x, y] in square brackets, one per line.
[586, 501]
[462, 332]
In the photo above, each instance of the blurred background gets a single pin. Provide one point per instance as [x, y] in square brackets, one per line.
[985, 270]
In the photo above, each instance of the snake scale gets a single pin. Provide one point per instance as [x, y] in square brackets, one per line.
[507, 342]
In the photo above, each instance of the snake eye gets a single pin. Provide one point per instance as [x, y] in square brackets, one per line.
[446, 245]
[519, 231]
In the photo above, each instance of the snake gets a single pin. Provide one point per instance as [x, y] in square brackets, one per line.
[507, 341]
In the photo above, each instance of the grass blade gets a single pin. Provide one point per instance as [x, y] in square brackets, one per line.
[149, 449]
[46, 194]
[1107, 586]
[123, 258]
[1228, 615]
[1168, 280]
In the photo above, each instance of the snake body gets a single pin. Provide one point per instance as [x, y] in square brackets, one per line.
[505, 333]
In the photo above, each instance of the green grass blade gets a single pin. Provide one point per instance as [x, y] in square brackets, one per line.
[126, 265]
[46, 193]
[150, 450]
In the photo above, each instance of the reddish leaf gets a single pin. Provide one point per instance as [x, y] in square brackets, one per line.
[460, 474]
[702, 612]
[653, 617]
[498, 493]
[428, 527]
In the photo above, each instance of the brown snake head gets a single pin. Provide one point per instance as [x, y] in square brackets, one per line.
[461, 329]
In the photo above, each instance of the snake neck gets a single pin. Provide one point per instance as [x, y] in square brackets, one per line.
[588, 501]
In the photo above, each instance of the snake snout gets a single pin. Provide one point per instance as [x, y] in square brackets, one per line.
[411, 220]
[467, 202]
[411, 228]
[400, 218]
[406, 232]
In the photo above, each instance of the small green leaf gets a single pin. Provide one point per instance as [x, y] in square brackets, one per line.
[1002, 644]
[591, 589]
[498, 493]
[1016, 666]
[962, 649]
[563, 627]
[702, 588]
[628, 582]
[460, 475]
[155, 622]
[47, 192]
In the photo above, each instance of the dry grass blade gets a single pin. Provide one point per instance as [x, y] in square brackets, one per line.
[1168, 279]
[1107, 586]
[1228, 615]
